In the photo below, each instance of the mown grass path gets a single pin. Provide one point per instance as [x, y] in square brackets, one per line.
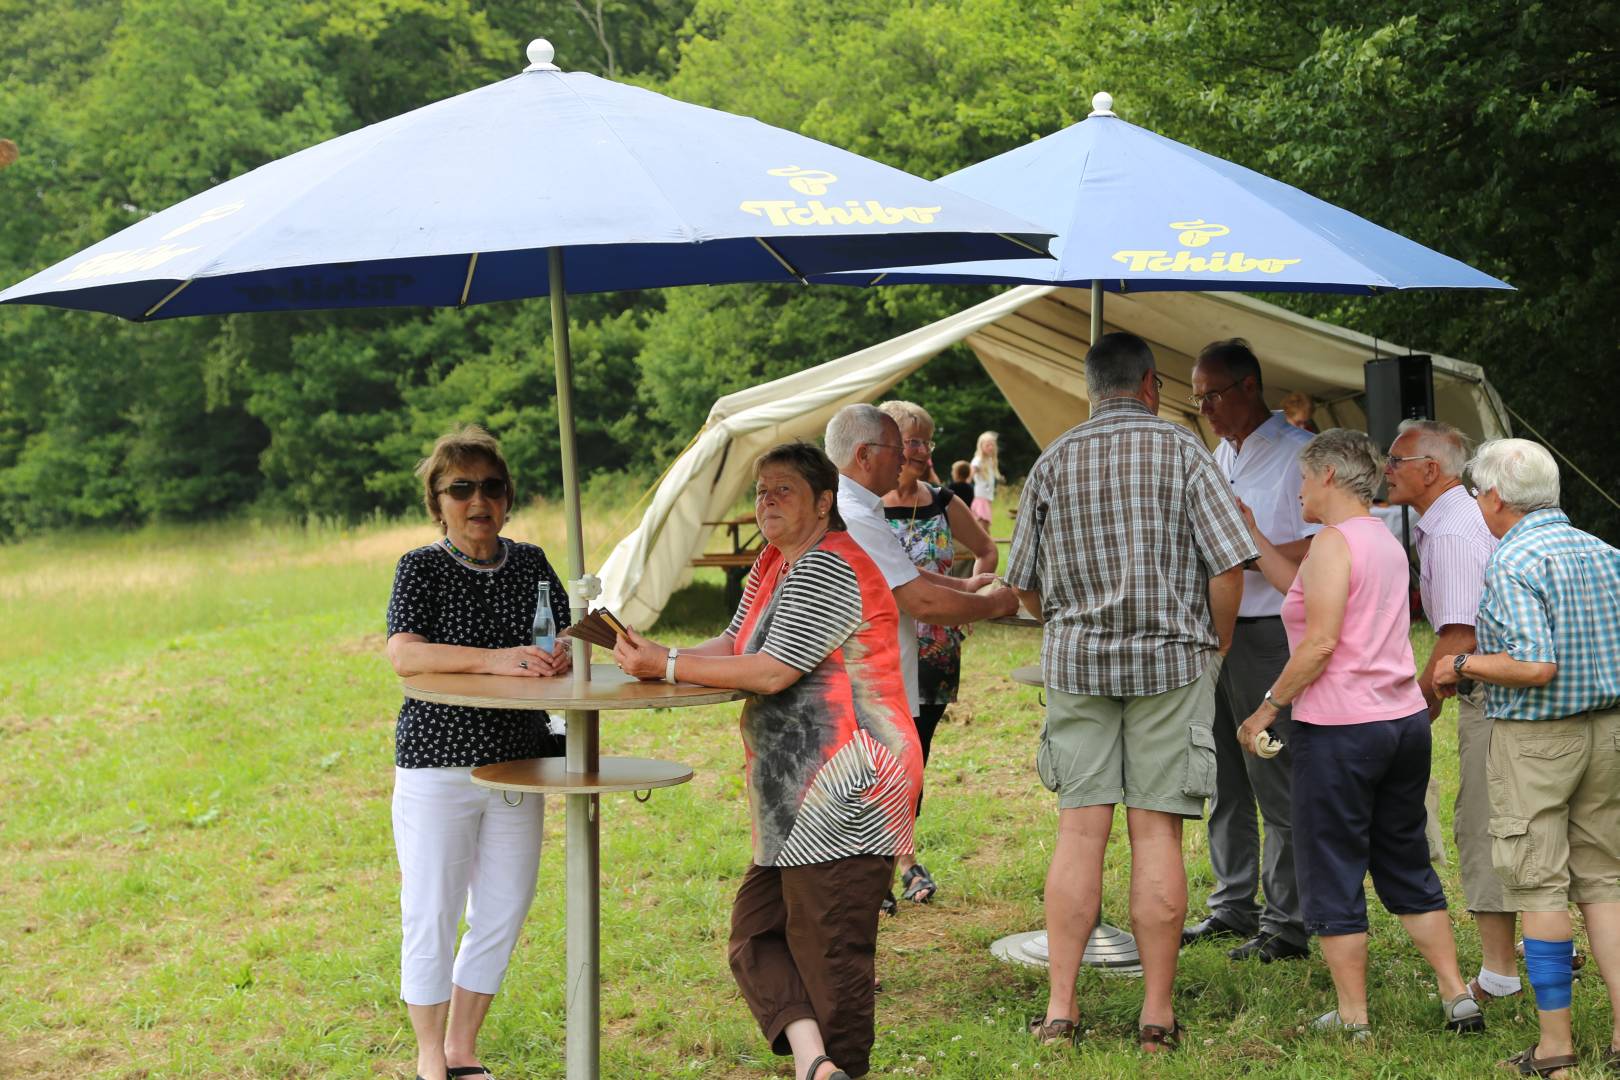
[197, 877]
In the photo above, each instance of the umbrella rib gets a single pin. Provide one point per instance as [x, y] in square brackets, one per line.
[176, 291]
[789, 267]
[1026, 247]
[472, 264]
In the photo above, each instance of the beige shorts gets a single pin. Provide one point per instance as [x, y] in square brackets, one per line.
[1155, 752]
[1555, 810]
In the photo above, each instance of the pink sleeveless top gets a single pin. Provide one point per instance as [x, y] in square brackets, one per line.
[1372, 675]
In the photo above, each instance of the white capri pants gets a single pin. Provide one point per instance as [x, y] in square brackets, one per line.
[461, 847]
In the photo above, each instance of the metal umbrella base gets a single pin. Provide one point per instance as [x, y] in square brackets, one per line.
[1110, 949]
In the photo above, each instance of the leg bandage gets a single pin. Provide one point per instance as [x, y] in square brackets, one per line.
[1549, 966]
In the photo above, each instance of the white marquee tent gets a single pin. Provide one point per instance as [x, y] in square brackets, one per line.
[1031, 340]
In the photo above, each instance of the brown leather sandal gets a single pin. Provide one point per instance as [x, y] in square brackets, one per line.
[1529, 1065]
[1051, 1032]
[1160, 1038]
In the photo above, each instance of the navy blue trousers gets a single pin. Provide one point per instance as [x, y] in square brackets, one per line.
[1358, 807]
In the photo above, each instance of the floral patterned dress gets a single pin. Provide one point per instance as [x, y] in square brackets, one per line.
[925, 533]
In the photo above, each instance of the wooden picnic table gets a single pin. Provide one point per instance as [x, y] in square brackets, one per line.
[739, 560]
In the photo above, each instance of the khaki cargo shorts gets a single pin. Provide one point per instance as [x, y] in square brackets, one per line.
[1155, 752]
[1555, 810]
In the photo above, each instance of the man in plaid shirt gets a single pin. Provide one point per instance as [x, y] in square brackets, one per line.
[1549, 654]
[1130, 546]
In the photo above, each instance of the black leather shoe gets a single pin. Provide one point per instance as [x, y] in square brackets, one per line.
[1211, 929]
[1269, 947]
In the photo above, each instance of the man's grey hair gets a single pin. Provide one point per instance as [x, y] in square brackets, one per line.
[1358, 467]
[849, 428]
[1116, 364]
[1440, 441]
[1522, 473]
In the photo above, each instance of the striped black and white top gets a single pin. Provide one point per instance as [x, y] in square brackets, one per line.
[834, 764]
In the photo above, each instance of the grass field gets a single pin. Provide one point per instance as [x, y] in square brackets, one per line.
[197, 877]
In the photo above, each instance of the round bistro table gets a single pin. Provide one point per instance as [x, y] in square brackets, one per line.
[581, 777]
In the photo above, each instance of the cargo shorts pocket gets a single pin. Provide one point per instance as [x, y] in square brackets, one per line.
[1044, 767]
[1513, 852]
[1198, 777]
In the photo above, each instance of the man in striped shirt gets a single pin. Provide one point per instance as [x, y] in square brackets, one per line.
[1131, 547]
[1424, 471]
[1549, 652]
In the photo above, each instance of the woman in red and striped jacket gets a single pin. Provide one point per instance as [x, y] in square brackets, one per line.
[834, 764]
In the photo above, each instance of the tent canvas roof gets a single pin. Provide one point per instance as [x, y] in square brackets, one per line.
[1031, 341]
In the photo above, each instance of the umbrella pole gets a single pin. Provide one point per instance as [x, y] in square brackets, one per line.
[1096, 310]
[583, 840]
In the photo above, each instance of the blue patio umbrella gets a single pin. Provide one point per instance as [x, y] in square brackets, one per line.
[1135, 211]
[476, 199]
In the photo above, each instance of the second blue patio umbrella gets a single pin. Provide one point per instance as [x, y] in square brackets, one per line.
[1135, 211]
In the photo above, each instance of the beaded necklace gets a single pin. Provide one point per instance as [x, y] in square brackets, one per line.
[472, 562]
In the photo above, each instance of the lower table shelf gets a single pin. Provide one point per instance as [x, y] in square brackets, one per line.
[550, 776]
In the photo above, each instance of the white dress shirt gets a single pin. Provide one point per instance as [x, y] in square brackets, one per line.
[1265, 475]
[862, 512]
[1453, 545]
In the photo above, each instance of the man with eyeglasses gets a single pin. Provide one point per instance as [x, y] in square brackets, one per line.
[1549, 654]
[1424, 471]
[865, 445]
[1259, 457]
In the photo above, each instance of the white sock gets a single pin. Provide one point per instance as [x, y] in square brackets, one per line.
[1499, 985]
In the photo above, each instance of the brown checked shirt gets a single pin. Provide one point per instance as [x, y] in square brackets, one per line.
[1123, 521]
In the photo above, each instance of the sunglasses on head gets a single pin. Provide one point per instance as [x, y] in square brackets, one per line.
[461, 490]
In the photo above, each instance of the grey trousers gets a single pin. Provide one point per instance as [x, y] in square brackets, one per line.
[1259, 653]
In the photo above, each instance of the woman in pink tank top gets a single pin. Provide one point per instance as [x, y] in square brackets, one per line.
[1361, 737]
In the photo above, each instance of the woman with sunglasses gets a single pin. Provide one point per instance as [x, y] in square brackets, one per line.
[465, 604]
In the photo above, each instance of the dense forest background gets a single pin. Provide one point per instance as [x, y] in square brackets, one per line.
[1486, 130]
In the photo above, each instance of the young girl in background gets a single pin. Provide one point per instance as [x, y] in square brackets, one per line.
[986, 474]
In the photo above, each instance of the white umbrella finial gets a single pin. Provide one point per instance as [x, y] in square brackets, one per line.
[1102, 104]
[540, 54]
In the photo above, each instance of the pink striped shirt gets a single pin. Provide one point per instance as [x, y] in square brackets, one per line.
[1453, 546]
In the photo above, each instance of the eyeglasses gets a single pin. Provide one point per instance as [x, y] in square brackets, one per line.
[492, 487]
[888, 446]
[1158, 385]
[1213, 397]
[1396, 459]
[920, 444]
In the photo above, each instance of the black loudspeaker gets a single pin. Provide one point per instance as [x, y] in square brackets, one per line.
[1398, 388]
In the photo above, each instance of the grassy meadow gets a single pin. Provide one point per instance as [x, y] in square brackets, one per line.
[197, 877]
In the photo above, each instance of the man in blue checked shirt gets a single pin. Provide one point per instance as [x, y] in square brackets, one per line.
[1549, 654]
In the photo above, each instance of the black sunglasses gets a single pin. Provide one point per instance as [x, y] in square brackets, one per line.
[461, 490]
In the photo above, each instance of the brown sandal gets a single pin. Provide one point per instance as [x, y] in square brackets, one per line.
[1529, 1065]
[1163, 1038]
[1051, 1032]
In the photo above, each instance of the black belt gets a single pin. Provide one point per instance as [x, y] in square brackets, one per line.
[1256, 618]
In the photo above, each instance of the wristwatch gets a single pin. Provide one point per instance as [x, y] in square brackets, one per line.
[669, 665]
[1457, 664]
[1271, 700]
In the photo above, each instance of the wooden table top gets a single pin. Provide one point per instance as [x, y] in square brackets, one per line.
[1029, 675]
[551, 776]
[609, 690]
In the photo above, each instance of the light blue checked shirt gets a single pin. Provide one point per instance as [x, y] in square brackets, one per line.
[1552, 596]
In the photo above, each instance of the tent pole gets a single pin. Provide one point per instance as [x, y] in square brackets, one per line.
[583, 878]
[1096, 309]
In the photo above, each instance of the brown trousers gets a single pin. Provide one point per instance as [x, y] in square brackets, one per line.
[804, 946]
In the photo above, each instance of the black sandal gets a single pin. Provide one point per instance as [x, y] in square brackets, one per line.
[1166, 1039]
[888, 906]
[919, 887]
[1529, 1065]
[836, 1074]
[470, 1070]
